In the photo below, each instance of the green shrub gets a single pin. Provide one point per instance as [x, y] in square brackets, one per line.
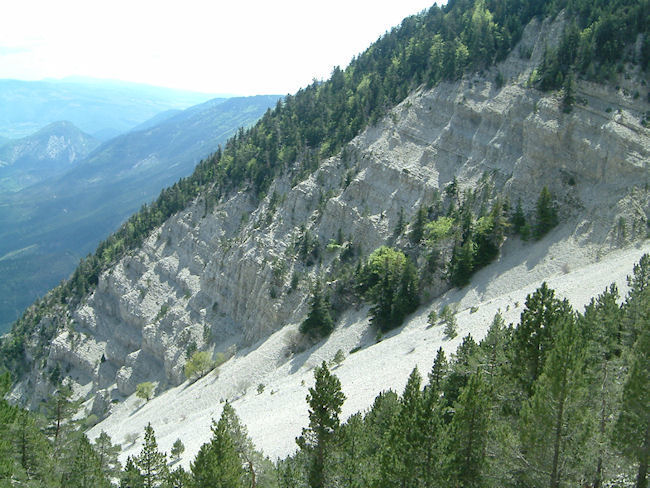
[198, 365]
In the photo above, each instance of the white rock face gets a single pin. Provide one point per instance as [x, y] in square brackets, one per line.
[208, 277]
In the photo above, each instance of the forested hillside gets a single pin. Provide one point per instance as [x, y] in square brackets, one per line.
[440, 44]
[561, 399]
[312, 213]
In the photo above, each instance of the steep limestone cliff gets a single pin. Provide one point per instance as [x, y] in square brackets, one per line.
[222, 276]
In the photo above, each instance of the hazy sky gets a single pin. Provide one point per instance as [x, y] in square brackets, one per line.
[242, 47]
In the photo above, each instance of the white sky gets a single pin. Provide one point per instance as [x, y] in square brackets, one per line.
[242, 47]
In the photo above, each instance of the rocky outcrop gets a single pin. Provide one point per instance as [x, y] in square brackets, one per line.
[224, 276]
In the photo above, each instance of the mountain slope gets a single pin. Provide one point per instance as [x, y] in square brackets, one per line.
[218, 274]
[45, 229]
[226, 261]
[44, 155]
[186, 412]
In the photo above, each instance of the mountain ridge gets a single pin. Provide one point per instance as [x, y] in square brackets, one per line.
[61, 219]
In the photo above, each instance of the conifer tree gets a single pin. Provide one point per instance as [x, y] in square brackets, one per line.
[31, 448]
[438, 373]
[177, 449]
[84, 468]
[417, 229]
[179, 478]
[555, 421]
[518, 220]
[131, 476]
[151, 463]
[466, 362]
[107, 454]
[355, 468]
[60, 408]
[601, 326]
[402, 462]
[546, 215]
[632, 429]
[319, 322]
[493, 347]
[325, 400]
[468, 435]
[217, 464]
[636, 309]
[533, 337]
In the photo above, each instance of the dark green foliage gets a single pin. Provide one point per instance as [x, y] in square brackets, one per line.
[85, 470]
[151, 463]
[518, 221]
[568, 96]
[217, 464]
[319, 322]
[533, 338]
[107, 454]
[389, 280]
[325, 400]
[468, 435]
[417, 228]
[632, 429]
[594, 41]
[403, 458]
[546, 215]
[438, 373]
[555, 423]
[59, 408]
[179, 478]
[131, 476]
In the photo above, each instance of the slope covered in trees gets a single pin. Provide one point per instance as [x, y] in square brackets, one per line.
[439, 44]
[479, 419]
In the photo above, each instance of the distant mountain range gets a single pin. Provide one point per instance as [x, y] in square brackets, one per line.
[98, 107]
[47, 227]
[45, 154]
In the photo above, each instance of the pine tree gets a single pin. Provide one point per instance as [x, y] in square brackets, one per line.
[179, 478]
[131, 476]
[438, 373]
[319, 322]
[555, 421]
[151, 463]
[601, 326]
[217, 464]
[30, 448]
[468, 435]
[355, 467]
[60, 408]
[493, 347]
[462, 262]
[518, 220]
[546, 215]
[466, 362]
[417, 229]
[325, 400]
[533, 338]
[632, 429]
[403, 459]
[84, 468]
[178, 448]
[107, 454]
